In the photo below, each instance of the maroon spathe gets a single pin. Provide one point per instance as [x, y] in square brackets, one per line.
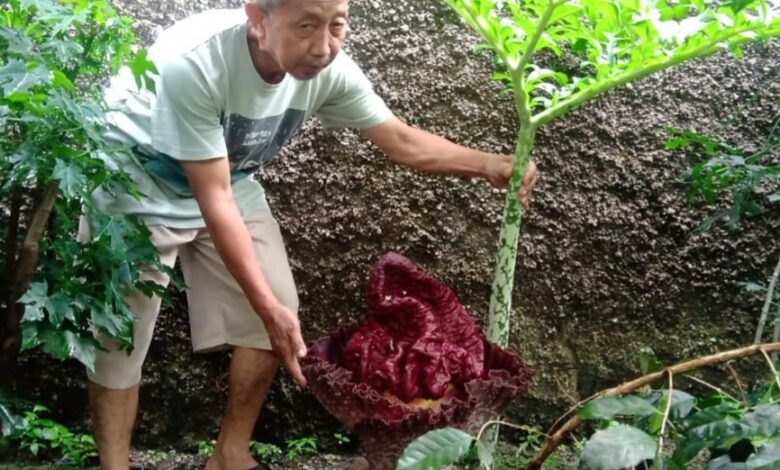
[419, 362]
[418, 338]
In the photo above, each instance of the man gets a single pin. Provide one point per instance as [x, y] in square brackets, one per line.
[232, 88]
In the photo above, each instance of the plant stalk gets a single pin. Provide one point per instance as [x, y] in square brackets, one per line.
[552, 442]
[770, 292]
[12, 238]
[657, 464]
[506, 257]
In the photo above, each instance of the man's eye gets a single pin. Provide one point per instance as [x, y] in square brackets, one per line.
[306, 26]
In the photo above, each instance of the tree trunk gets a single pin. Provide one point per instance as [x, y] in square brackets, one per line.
[20, 276]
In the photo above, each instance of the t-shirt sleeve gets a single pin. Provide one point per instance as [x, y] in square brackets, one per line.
[186, 119]
[351, 101]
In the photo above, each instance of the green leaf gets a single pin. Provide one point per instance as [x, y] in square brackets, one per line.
[617, 447]
[715, 431]
[35, 301]
[142, 69]
[753, 287]
[72, 180]
[435, 449]
[609, 407]
[18, 44]
[767, 458]
[9, 421]
[16, 77]
[485, 453]
[682, 403]
[106, 321]
[724, 463]
[648, 363]
[60, 80]
[82, 347]
[58, 307]
[54, 342]
[763, 421]
[30, 337]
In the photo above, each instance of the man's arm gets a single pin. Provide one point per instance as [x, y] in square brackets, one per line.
[210, 182]
[427, 152]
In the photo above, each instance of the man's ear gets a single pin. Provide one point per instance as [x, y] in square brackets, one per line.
[257, 18]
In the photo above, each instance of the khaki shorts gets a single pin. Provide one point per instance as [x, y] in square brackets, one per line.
[220, 315]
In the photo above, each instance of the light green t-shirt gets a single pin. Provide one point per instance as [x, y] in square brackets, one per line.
[210, 102]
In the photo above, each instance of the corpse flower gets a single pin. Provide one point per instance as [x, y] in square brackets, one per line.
[418, 362]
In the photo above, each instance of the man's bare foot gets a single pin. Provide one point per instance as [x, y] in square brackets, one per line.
[243, 461]
[359, 463]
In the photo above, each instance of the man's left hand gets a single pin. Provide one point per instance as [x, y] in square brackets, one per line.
[500, 170]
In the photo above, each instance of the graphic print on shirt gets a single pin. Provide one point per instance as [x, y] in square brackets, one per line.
[254, 142]
[251, 143]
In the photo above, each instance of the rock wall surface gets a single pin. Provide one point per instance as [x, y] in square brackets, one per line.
[608, 260]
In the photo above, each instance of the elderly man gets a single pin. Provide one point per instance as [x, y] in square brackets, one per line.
[233, 86]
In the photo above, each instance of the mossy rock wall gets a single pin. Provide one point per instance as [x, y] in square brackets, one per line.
[609, 261]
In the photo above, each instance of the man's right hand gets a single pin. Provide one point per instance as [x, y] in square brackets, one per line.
[284, 331]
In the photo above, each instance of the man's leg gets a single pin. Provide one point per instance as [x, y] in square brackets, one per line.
[251, 374]
[113, 386]
[113, 416]
[220, 317]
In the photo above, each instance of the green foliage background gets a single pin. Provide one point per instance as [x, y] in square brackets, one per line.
[55, 57]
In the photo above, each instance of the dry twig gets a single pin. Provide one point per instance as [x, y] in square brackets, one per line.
[555, 439]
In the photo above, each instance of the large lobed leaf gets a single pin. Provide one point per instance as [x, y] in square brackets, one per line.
[618, 447]
[435, 449]
[602, 41]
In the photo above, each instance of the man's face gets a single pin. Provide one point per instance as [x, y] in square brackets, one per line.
[303, 36]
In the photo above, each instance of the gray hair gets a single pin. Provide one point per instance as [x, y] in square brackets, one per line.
[268, 5]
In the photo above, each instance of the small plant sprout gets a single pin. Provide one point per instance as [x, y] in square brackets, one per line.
[267, 453]
[301, 446]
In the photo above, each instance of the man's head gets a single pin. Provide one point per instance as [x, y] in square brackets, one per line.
[299, 37]
[268, 5]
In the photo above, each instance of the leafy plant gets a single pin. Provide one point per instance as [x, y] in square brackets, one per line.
[267, 453]
[732, 431]
[771, 307]
[598, 45]
[633, 427]
[301, 446]
[751, 179]
[589, 47]
[39, 435]
[205, 447]
[721, 169]
[341, 438]
[158, 454]
[10, 422]
[58, 293]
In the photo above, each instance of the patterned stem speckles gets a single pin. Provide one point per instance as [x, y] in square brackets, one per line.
[506, 257]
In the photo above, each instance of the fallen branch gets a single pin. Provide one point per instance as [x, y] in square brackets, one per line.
[556, 438]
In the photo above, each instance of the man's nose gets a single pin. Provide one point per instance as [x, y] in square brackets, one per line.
[322, 44]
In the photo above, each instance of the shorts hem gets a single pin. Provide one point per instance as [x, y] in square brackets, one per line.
[112, 384]
[227, 344]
